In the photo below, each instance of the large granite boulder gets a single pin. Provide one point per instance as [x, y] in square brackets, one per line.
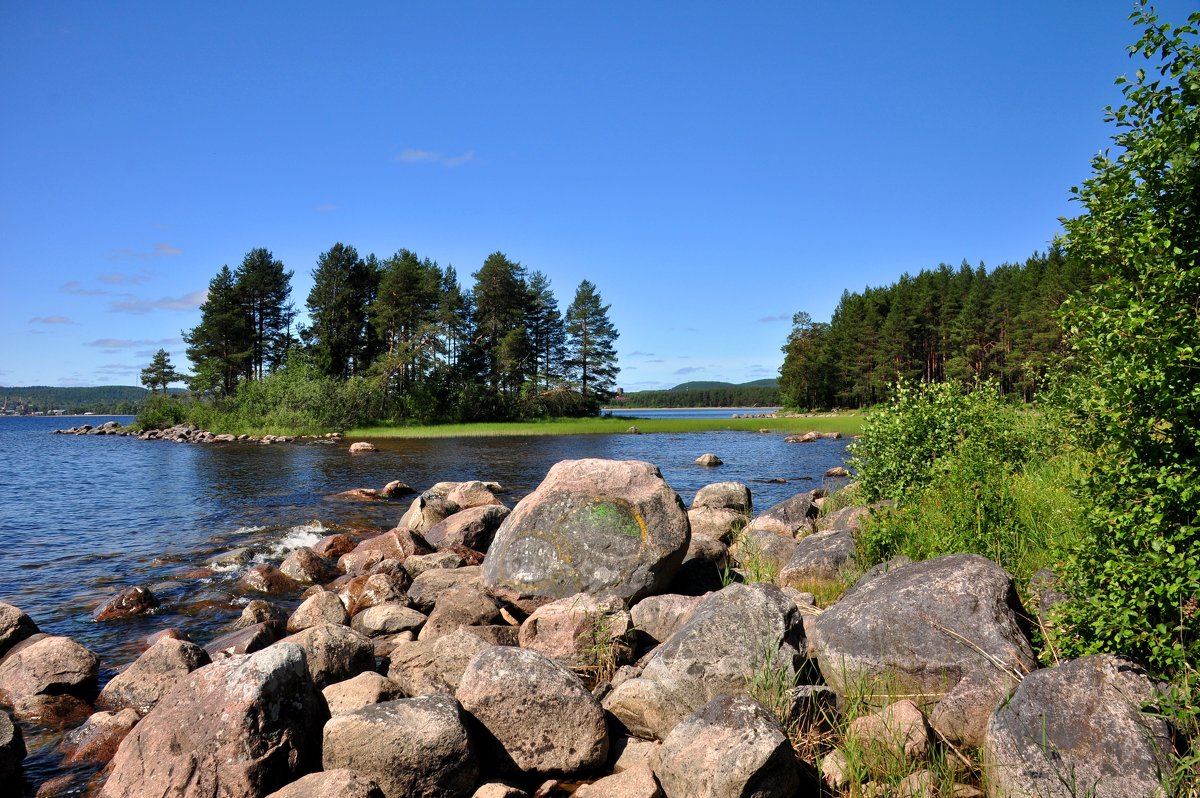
[47, 665]
[793, 518]
[340, 783]
[395, 544]
[818, 559]
[427, 511]
[720, 510]
[463, 605]
[725, 496]
[425, 667]
[334, 653]
[713, 653]
[473, 528]
[1079, 729]
[363, 690]
[472, 493]
[415, 747]
[370, 590]
[245, 725]
[732, 747]
[266, 578]
[388, 619]
[96, 740]
[147, 680]
[309, 568]
[948, 633]
[579, 632]
[539, 717]
[425, 589]
[592, 526]
[659, 617]
[15, 626]
[245, 640]
[322, 607]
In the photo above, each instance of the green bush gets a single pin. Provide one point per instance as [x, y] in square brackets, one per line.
[161, 411]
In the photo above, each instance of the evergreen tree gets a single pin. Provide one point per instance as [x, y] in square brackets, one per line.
[501, 301]
[264, 289]
[219, 347]
[405, 316]
[160, 372]
[547, 336]
[343, 288]
[591, 355]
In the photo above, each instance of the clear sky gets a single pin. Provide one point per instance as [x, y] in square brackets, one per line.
[712, 167]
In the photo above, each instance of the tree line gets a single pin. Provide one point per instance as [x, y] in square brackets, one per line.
[407, 338]
[945, 324]
[729, 396]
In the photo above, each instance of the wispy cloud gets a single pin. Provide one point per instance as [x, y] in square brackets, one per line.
[50, 320]
[689, 369]
[160, 250]
[434, 157]
[659, 360]
[326, 207]
[117, 278]
[77, 289]
[778, 317]
[115, 369]
[139, 306]
[129, 343]
[641, 354]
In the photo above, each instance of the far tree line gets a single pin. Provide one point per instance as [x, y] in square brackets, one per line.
[420, 345]
[967, 324]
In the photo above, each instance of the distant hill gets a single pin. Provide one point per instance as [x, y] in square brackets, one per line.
[706, 393]
[103, 399]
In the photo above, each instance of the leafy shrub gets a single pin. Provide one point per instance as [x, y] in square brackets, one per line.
[161, 411]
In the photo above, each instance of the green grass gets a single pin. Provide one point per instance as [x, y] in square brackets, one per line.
[847, 424]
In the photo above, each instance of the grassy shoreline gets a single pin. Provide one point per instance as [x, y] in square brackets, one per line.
[847, 424]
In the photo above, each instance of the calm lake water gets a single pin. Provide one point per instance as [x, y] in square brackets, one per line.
[83, 516]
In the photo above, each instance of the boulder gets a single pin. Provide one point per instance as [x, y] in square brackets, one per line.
[394, 489]
[387, 619]
[361, 447]
[763, 552]
[697, 758]
[636, 782]
[334, 653]
[887, 740]
[335, 545]
[96, 740]
[947, 632]
[418, 564]
[246, 640]
[231, 559]
[395, 544]
[791, 518]
[806, 437]
[724, 496]
[709, 460]
[245, 725]
[12, 749]
[837, 471]
[718, 523]
[55, 711]
[473, 528]
[425, 589]
[715, 652]
[258, 611]
[582, 632]
[128, 603]
[1079, 729]
[846, 518]
[371, 590]
[704, 569]
[427, 511]
[266, 578]
[462, 605]
[412, 747]
[48, 666]
[592, 526]
[339, 783]
[363, 690]
[818, 559]
[323, 607]
[15, 626]
[659, 617]
[147, 680]
[427, 667]
[309, 568]
[472, 494]
[538, 716]
[498, 789]
[358, 494]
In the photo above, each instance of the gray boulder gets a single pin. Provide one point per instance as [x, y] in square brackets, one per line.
[1079, 729]
[15, 626]
[427, 667]
[363, 690]
[473, 527]
[334, 653]
[719, 523]
[97, 739]
[48, 666]
[259, 611]
[793, 518]
[724, 496]
[147, 680]
[592, 526]
[463, 605]
[418, 564]
[709, 460]
[763, 551]
[472, 493]
[388, 619]
[322, 607]
[732, 747]
[818, 559]
[714, 653]
[12, 749]
[581, 632]
[947, 632]
[426, 588]
[412, 747]
[308, 568]
[246, 725]
[427, 511]
[635, 782]
[539, 717]
[659, 617]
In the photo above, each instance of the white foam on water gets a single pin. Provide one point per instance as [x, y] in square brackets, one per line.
[297, 537]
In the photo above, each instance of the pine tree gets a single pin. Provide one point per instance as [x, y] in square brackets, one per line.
[219, 347]
[547, 336]
[591, 355]
[160, 372]
[264, 289]
[501, 299]
[343, 288]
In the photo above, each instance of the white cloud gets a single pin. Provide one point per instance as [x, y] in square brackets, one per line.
[138, 306]
[117, 278]
[778, 317]
[689, 369]
[641, 354]
[432, 156]
[51, 320]
[76, 288]
[160, 250]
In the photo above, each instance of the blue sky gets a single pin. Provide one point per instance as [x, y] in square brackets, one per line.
[713, 168]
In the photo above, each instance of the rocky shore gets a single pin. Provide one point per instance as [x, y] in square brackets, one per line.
[188, 433]
[597, 639]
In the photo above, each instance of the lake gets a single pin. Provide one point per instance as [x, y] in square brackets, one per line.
[83, 516]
